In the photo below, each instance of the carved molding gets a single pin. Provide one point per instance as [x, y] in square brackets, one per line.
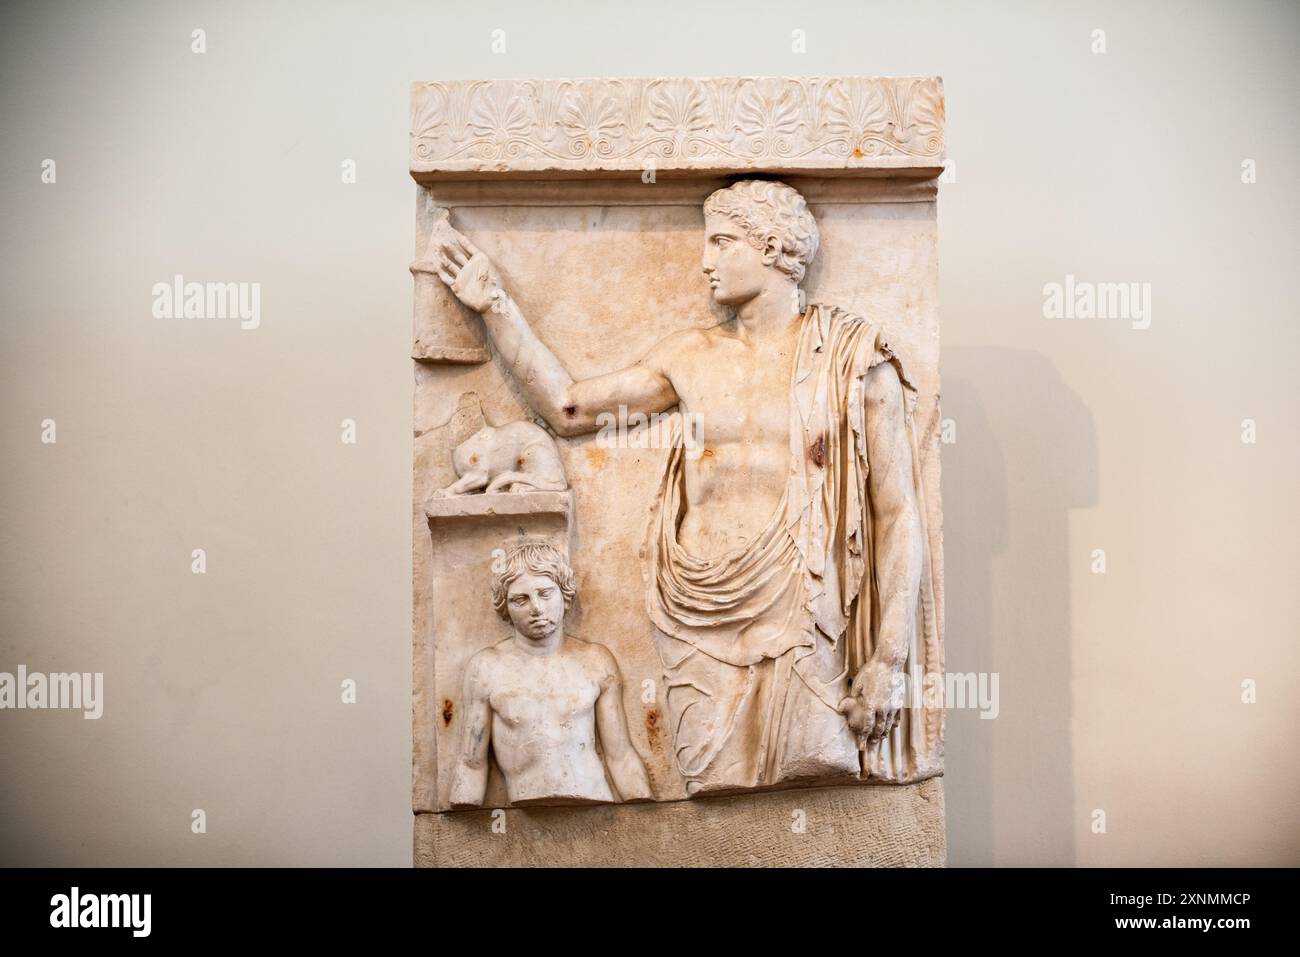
[688, 191]
[719, 124]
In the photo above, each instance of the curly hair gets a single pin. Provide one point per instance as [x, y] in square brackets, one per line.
[532, 558]
[771, 210]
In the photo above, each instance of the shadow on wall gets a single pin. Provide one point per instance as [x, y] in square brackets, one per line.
[1024, 455]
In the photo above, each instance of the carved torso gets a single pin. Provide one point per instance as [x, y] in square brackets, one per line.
[741, 391]
[544, 722]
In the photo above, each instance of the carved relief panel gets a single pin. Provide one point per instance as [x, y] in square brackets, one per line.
[677, 522]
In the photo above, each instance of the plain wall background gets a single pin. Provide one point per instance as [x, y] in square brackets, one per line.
[1119, 691]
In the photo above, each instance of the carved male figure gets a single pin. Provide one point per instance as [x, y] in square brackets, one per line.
[541, 700]
[788, 572]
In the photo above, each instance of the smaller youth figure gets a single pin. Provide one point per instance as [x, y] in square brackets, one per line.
[540, 700]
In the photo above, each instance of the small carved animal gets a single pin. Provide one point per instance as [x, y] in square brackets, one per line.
[515, 457]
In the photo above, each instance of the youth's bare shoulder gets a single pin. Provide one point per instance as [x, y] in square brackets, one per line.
[598, 659]
[484, 662]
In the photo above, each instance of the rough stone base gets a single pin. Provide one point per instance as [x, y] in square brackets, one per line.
[881, 826]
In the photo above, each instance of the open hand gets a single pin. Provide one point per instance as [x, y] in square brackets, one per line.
[467, 271]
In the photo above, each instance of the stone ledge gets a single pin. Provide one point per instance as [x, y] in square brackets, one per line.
[874, 826]
[476, 505]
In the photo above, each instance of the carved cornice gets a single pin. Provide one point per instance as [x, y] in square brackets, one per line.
[475, 128]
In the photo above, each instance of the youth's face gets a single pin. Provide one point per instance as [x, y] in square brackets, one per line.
[735, 269]
[536, 606]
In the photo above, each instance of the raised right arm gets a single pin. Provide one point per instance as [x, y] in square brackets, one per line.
[571, 407]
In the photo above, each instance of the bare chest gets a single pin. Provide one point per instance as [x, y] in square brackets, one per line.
[543, 693]
[737, 396]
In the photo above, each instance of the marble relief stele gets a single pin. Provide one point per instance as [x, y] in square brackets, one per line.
[788, 584]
